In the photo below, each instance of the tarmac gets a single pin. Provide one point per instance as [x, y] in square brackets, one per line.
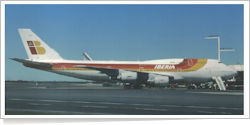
[33, 98]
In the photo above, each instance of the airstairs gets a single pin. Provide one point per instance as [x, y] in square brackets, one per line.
[220, 83]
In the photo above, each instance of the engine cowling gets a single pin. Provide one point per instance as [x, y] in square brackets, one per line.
[158, 80]
[127, 76]
[133, 77]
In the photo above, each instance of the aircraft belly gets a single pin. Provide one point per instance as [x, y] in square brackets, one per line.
[86, 75]
[195, 76]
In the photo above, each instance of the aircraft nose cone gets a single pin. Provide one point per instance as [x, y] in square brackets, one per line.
[233, 73]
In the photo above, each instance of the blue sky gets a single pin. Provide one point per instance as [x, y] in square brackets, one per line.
[123, 32]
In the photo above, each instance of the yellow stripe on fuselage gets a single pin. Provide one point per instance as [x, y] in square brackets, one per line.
[198, 65]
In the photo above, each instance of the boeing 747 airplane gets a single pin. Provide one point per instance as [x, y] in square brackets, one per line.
[133, 74]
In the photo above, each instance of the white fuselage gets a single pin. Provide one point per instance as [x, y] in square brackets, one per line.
[211, 69]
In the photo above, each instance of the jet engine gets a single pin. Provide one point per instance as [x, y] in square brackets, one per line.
[158, 80]
[143, 78]
[127, 76]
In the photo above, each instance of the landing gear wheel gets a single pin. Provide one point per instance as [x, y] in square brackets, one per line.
[137, 86]
[191, 87]
[127, 86]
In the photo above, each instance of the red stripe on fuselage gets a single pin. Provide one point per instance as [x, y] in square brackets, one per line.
[185, 64]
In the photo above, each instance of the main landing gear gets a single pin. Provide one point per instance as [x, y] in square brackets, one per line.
[132, 86]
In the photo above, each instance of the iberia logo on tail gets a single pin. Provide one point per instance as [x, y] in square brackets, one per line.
[35, 48]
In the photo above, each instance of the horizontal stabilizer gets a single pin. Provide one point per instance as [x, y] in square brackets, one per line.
[28, 62]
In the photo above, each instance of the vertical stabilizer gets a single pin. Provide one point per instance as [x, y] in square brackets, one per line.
[36, 48]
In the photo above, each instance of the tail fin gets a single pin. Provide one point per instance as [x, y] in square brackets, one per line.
[36, 48]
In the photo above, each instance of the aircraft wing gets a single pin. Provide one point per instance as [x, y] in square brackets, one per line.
[114, 72]
[109, 71]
